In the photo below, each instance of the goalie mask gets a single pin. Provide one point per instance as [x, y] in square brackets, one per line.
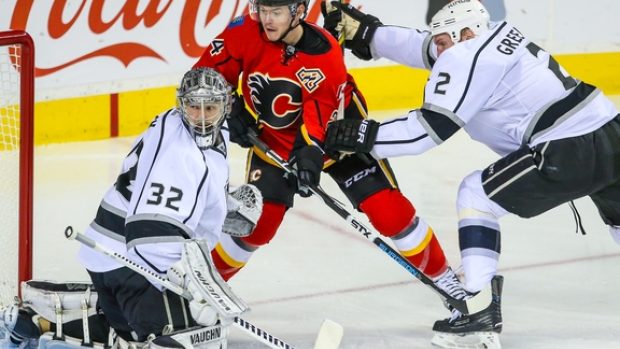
[203, 98]
[458, 15]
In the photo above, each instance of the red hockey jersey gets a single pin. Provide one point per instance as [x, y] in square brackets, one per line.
[293, 95]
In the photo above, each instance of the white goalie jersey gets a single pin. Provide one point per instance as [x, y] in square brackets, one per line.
[169, 190]
[504, 90]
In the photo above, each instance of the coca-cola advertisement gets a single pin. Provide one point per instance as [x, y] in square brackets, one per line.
[87, 47]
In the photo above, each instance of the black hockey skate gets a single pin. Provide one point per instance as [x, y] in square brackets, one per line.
[20, 323]
[478, 330]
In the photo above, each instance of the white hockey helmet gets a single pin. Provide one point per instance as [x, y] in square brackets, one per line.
[204, 99]
[458, 15]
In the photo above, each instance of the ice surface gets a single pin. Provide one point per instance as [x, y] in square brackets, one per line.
[560, 287]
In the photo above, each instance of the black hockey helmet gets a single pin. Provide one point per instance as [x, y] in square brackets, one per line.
[281, 2]
[292, 5]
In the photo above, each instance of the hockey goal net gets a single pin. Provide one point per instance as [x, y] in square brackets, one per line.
[16, 152]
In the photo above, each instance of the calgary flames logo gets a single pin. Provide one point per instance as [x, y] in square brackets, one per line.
[277, 101]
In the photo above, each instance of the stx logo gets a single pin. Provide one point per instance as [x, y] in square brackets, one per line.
[361, 228]
[356, 177]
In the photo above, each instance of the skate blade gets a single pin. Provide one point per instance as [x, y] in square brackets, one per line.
[472, 340]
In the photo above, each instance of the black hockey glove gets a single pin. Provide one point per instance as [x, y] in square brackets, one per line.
[308, 161]
[359, 29]
[331, 18]
[240, 121]
[350, 136]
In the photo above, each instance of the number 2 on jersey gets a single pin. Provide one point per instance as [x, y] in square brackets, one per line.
[444, 79]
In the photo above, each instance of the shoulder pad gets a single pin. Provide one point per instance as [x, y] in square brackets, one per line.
[237, 21]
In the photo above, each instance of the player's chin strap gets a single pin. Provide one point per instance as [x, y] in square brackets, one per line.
[478, 302]
[329, 336]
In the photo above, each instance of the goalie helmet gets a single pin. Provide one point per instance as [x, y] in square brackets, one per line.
[204, 99]
[292, 5]
[458, 15]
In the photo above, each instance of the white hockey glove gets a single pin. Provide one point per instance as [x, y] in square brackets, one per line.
[211, 295]
[245, 205]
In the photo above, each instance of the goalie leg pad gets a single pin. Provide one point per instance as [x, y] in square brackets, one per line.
[209, 337]
[19, 324]
[44, 296]
[197, 274]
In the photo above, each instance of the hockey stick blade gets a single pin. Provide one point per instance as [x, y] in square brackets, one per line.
[330, 335]
[471, 305]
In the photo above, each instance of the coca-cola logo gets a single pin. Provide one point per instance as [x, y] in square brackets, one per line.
[64, 15]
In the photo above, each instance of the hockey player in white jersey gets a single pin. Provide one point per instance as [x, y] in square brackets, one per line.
[558, 137]
[173, 187]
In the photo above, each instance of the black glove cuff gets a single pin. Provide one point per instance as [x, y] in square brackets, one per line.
[310, 158]
[239, 122]
[360, 46]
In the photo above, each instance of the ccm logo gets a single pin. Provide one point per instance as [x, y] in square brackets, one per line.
[356, 177]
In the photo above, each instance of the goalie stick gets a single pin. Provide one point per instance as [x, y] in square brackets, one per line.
[478, 302]
[329, 335]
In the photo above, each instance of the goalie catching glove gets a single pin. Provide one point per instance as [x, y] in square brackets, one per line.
[350, 136]
[358, 28]
[245, 205]
[211, 295]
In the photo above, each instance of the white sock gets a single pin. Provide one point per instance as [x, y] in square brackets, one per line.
[479, 270]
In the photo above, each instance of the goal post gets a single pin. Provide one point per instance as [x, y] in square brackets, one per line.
[16, 159]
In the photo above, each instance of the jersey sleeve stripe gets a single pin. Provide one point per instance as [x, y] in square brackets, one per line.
[113, 224]
[560, 110]
[440, 123]
[473, 66]
[428, 59]
[154, 228]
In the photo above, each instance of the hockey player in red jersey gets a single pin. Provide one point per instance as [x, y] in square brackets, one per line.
[294, 81]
